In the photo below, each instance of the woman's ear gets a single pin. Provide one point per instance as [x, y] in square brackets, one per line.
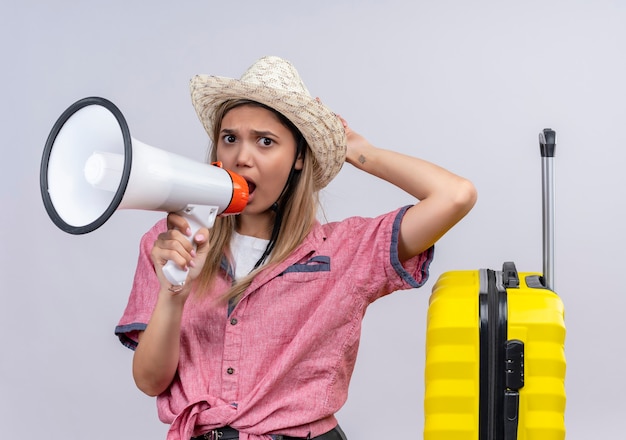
[299, 162]
[300, 152]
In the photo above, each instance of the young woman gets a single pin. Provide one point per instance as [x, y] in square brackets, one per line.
[261, 340]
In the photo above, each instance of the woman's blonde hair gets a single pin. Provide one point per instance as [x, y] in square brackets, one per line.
[296, 213]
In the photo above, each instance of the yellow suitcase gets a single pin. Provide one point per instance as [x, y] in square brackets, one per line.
[495, 358]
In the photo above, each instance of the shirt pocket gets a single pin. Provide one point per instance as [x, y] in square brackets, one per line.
[315, 268]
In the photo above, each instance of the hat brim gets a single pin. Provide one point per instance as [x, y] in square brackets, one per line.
[320, 127]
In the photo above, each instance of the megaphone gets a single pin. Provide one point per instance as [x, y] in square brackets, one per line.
[92, 167]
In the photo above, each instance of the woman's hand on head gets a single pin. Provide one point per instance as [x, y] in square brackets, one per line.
[176, 245]
[357, 145]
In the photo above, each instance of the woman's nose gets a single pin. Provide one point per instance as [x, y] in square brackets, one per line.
[244, 156]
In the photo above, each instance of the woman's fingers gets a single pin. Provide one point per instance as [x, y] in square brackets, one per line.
[178, 222]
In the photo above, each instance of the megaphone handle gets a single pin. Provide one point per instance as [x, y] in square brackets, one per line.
[198, 217]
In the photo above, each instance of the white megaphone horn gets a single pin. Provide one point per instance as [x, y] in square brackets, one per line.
[91, 167]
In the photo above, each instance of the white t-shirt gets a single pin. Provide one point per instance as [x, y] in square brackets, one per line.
[246, 252]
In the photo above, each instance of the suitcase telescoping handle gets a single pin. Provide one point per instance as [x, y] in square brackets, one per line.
[547, 145]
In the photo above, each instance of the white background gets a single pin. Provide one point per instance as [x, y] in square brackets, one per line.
[466, 84]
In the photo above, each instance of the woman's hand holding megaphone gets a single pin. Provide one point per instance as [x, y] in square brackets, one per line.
[177, 246]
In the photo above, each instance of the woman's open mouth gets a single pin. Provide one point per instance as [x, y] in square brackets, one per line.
[251, 186]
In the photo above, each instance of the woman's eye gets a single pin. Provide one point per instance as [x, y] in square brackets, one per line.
[266, 142]
[230, 138]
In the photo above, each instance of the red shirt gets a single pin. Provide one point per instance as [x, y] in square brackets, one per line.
[280, 361]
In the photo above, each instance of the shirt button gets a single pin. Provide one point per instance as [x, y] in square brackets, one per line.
[230, 370]
[233, 321]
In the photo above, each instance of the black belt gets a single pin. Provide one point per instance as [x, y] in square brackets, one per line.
[228, 433]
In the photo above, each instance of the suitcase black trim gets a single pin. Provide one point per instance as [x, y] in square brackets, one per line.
[501, 360]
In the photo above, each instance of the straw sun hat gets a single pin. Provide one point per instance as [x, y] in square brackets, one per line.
[275, 82]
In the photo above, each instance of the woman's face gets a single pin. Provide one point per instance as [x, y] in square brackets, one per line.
[256, 145]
